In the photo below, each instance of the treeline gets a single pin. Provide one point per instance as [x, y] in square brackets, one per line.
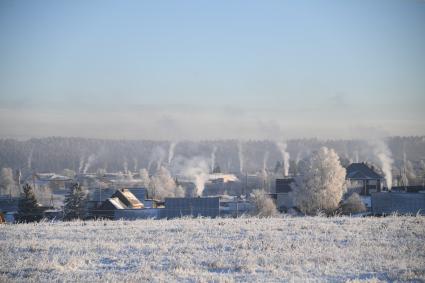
[54, 154]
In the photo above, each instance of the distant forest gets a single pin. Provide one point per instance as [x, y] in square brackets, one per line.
[55, 154]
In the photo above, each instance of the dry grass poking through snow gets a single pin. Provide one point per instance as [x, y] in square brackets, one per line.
[192, 250]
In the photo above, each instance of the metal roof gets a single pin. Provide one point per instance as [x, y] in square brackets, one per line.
[117, 203]
[128, 198]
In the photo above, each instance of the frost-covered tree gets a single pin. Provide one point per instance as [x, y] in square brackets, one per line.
[353, 204]
[162, 185]
[43, 194]
[75, 203]
[7, 183]
[263, 204]
[28, 208]
[320, 184]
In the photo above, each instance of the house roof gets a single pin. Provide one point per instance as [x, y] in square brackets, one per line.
[51, 177]
[284, 185]
[117, 203]
[101, 194]
[360, 171]
[128, 198]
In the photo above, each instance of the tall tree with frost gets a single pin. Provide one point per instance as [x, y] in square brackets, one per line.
[75, 203]
[162, 185]
[28, 208]
[320, 184]
[7, 183]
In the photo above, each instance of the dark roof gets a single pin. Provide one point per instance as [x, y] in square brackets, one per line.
[360, 171]
[284, 185]
[139, 193]
[101, 194]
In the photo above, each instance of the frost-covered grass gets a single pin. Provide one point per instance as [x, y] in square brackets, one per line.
[245, 249]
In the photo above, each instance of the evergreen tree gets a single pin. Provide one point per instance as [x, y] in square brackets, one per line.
[29, 209]
[75, 203]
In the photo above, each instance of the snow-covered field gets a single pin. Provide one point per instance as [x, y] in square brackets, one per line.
[245, 249]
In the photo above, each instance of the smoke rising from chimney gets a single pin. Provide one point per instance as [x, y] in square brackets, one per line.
[384, 156]
[171, 152]
[81, 166]
[214, 150]
[285, 157]
[240, 154]
[196, 170]
[265, 160]
[136, 164]
[29, 161]
[89, 163]
[157, 155]
[125, 166]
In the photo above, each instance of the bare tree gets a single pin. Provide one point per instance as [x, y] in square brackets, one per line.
[353, 204]
[263, 204]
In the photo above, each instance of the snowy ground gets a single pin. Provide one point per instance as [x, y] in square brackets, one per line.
[246, 249]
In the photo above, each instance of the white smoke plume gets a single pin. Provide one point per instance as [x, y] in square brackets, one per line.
[197, 171]
[125, 166]
[240, 154]
[89, 163]
[298, 157]
[384, 156]
[157, 156]
[81, 166]
[171, 152]
[285, 156]
[265, 161]
[408, 172]
[162, 185]
[144, 177]
[29, 161]
[356, 156]
[136, 164]
[214, 150]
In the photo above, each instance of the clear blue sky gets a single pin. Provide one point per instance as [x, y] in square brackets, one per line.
[176, 69]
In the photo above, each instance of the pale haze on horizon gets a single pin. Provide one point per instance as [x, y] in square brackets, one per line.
[212, 70]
